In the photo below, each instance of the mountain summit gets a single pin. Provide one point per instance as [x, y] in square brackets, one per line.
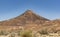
[30, 17]
[27, 17]
[27, 20]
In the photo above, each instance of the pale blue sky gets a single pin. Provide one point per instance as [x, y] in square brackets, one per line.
[47, 8]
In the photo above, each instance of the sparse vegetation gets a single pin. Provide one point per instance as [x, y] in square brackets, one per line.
[2, 32]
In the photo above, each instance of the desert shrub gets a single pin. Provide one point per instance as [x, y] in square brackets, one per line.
[26, 33]
[43, 32]
[18, 32]
[54, 30]
[12, 35]
[2, 32]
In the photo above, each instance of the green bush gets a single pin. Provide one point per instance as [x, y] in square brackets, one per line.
[26, 33]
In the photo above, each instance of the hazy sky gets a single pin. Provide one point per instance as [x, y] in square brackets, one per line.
[47, 8]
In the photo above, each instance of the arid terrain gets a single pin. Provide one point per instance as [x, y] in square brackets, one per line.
[30, 21]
